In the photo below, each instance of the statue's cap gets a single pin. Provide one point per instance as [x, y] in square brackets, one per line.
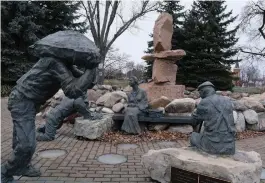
[207, 83]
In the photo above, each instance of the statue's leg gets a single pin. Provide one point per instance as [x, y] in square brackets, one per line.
[23, 114]
[130, 123]
[54, 118]
[80, 107]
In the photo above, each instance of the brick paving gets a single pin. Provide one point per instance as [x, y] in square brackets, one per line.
[80, 162]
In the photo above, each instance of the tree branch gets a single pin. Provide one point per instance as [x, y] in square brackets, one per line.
[98, 18]
[105, 21]
[262, 26]
[253, 53]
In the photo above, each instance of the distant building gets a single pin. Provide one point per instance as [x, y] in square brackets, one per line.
[236, 75]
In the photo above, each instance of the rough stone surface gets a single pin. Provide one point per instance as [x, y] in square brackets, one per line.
[107, 110]
[163, 32]
[243, 167]
[110, 99]
[186, 129]
[240, 122]
[158, 127]
[93, 129]
[159, 102]
[253, 103]
[239, 105]
[92, 95]
[236, 95]
[260, 126]
[156, 91]
[118, 107]
[164, 71]
[181, 105]
[251, 116]
[167, 55]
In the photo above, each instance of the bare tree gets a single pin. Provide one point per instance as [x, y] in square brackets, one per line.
[250, 74]
[252, 13]
[102, 22]
[115, 61]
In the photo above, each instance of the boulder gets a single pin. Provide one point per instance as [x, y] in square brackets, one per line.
[110, 99]
[93, 95]
[105, 87]
[195, 94]
[181, 105]
[93, 129]
[107, 110]
[252, 103]
[190, 89]
[243, 167]
[260, 126]
[102, 100]
[251, 116]
[239, 105]
[118, 107]
[236, 95]
[98, 109]
[244, 94]
[160, 102]
[185, 129]
[127, 89]
[240, 122]
[158, 127]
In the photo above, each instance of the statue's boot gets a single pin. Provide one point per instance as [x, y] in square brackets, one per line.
[43, 137]
[41, 129]
[5, 178]
[80, 107]
[31, 171]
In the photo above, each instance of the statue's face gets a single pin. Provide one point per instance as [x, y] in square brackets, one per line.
[206, 91]
[132, 82]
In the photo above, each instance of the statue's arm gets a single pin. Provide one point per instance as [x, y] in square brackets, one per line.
[73, 87]
[200, 113]
[144, 103]
[76, 72]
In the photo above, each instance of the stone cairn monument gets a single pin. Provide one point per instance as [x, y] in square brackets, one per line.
[164, 67]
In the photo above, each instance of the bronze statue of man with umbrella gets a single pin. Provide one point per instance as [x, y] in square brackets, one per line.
[57, 53]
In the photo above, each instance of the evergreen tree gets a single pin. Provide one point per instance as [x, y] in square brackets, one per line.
[177, 12]
[23, 23]
[209, 46]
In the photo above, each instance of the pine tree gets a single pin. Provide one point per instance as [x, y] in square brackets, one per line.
[208, 45]
[23, 23]
[177, 12]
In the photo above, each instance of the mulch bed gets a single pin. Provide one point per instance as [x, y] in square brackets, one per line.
[120, 137]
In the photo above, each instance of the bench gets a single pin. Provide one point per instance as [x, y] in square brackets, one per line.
[181, 120]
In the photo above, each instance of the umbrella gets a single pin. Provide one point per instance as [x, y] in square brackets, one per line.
[68, 46]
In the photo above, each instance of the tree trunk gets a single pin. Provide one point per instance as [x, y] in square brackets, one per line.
[101, 72]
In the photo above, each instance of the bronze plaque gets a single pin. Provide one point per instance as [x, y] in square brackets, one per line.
[183, 176]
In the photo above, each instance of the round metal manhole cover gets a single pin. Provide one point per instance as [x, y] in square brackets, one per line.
[51, 153]
[262, 174]
[127, 146]
[112, 159]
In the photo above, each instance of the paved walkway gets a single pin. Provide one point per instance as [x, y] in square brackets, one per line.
[80, 163]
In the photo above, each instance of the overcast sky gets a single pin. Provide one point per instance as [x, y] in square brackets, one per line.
[134, 41]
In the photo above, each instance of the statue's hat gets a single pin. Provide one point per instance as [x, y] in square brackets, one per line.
[207, 83]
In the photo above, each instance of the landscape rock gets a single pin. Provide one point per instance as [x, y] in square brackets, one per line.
[236, 95]
[185, 129]
[127, 89]
[239, 105]
[92, 109]
[260, 126]
[190, 89]
[92, 95]
[107, 110]
[93, 129]
[110, 99]
[181, 105]
[98, 109]
[158, 127]
[240, 122]
[160, 102]
[251, 116]
[118, 107]
[252, 103]
[243, 167]
[244, 94]
[105, 87]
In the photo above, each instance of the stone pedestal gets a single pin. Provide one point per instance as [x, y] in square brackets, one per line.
[155, 91]
[164, 71]
[243, 167]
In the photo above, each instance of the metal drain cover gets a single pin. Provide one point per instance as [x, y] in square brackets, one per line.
[127, 146]
[262, 174]
[112, 159]
[51, 153]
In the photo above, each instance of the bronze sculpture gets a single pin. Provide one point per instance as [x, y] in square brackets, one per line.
[216, 111]
[137, 103]
[39, 84]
